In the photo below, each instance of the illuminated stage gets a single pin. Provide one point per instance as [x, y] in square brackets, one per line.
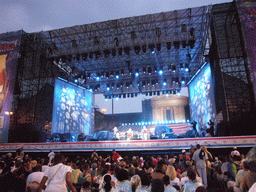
[135, 145]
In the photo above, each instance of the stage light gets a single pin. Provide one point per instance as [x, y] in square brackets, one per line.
[191, 43]
[143, 83]
[107, 74]
[169, 45]
[97, 54]
[117, 75]
[155, 69]
[176, 44]
[173, 68]
[158, 46]
[153, 82]
[120, 50]
[90, 55]
[127, 50]
[106, 53]
[144, 48]
[164, 83]
[149, 70]
[192, 31]
[122, 72]
[108, 87]
[137, 49]
[76, 80]
[112, 85]
[184, 43]
[74, 44]
[186, 67]
[111, 73]
[160, 70]
[84, 56]
[127, 85]
[137, 72]
[97, 78]
[121, 84]
[181, 66]
[183, 80]
[116, 41]
[113, 52]
[151, 47]
[130, 71]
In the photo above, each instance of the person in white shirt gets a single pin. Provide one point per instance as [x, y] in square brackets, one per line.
[58, 176]
[200, 164]
[51, 156]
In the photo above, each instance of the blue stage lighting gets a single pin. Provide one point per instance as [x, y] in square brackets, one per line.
[160, 72]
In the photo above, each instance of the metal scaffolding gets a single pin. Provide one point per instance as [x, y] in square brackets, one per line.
[231, 63]
[135, 49]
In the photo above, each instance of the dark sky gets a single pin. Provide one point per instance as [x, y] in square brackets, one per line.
[37, 15]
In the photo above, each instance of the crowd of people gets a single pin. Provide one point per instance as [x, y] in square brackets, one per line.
[196, 170]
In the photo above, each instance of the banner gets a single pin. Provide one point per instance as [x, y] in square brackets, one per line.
[247, 13]
[9, 49]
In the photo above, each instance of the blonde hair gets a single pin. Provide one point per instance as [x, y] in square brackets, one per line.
[171, 172]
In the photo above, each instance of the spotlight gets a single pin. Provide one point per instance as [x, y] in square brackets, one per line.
[137, 72]
[183, 80]
[122, 72]
[184, 43]
[181, 66]
[91, 55]
[130, 71]
[107, 74]
[113, 52]
[169, 45]
[191, 43]
[143, 83]
[137, 49]
[144, 69]
[116, 41]
[149, 70]
[108, 87]
[120, 50]
[106, 53]
[192, 30]
[173, 68]
[176, 44]
[127, 50]
[84, 56]
[151, 47]
[155, 69]
[97, 54]
[158, 46]
[160, 70]
[144, 48]
[187, 67]
[164, 82]
[117, 75]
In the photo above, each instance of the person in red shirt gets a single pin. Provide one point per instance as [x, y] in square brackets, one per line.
[115, 156]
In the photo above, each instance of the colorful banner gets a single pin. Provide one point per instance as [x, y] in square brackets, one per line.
[9, 49]
[247, 13]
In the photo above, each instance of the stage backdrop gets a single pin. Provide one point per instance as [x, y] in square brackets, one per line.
[201, 92]
[9, 50]
[247, 12]
[72, 109]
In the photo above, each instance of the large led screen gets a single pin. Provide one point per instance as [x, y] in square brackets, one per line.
[72, 109]
[202, 102]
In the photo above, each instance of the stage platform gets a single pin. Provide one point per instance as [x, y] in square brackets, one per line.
[135, 145]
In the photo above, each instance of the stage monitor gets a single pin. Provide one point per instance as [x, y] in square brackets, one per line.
[201, 95]
[72, 109]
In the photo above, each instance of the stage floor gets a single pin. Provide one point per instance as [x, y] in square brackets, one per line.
[135, 145]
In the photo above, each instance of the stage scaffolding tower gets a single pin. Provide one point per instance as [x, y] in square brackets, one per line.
[234, 87]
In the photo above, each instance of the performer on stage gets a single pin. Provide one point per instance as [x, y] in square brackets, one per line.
[211, 128]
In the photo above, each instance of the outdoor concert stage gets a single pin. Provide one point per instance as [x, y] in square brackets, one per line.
[134, 145]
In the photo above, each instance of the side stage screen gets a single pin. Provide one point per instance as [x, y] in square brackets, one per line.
[72, 109]
[202, 102]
